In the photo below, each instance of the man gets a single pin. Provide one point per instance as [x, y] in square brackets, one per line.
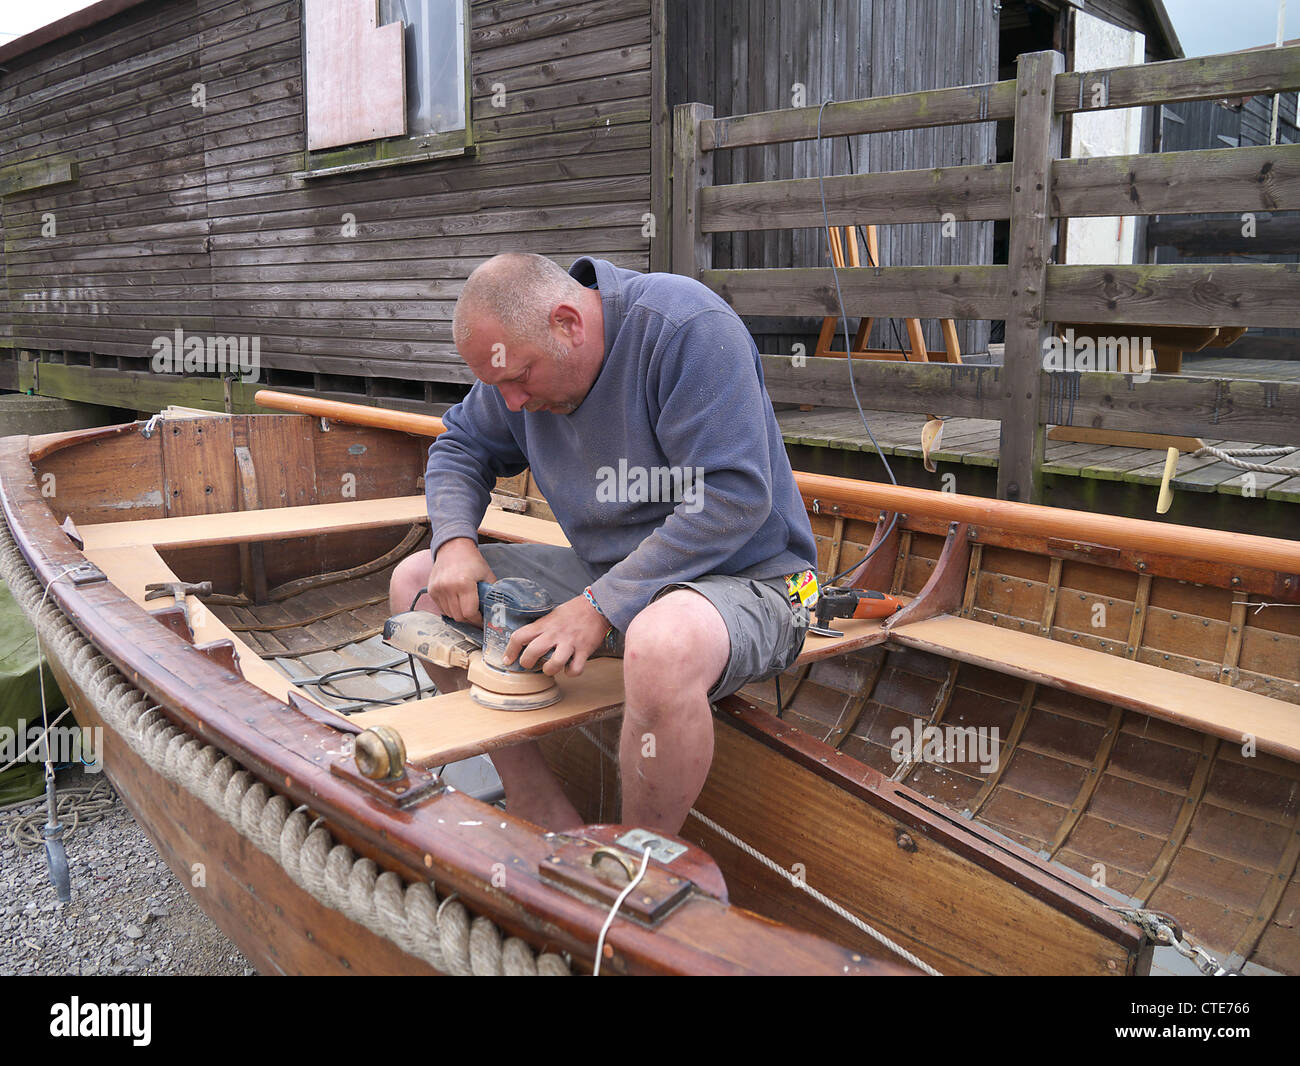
[638, 402]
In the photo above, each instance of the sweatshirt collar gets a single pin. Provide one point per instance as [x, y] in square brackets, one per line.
[611, 292]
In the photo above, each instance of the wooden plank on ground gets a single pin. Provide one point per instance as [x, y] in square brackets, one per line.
[1287, 491]
[1208, 477]
[1235, 484]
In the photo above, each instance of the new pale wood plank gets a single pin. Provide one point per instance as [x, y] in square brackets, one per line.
[452, 726]
[1205, 706]
[131, 568]
[355, 73]
[276, 523]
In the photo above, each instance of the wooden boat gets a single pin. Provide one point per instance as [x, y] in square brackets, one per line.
[1142, 680]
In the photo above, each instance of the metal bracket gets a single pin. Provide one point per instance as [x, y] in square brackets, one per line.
[660, 850]
[412, 787]
[86, 573]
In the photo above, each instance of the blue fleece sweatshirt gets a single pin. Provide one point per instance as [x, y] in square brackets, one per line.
[673, 465]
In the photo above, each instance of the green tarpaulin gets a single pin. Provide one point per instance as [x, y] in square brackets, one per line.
[20, 701]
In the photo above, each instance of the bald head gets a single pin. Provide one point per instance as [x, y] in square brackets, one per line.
[517, 291]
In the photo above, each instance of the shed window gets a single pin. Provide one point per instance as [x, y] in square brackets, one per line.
[386, 82]
[435, 62]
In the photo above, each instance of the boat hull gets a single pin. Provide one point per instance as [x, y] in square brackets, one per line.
[958, 863]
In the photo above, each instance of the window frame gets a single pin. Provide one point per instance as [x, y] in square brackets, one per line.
[394, 151]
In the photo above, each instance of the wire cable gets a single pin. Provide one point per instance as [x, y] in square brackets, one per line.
[600, 941]
[848, 348]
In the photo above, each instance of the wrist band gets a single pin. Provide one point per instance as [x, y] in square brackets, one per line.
[592, 600]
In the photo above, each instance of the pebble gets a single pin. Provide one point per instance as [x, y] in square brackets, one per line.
[128, 915]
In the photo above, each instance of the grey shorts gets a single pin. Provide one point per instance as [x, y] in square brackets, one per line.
[766, 635]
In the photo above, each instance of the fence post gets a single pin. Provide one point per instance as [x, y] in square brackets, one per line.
[692, 171]
[661, 143]
[1037, 143]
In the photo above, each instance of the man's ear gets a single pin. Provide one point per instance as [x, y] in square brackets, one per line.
[568, 321]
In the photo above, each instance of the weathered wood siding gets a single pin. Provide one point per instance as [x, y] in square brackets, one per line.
[192, 218]
[127, 259]
[6, 315]
[742, 56]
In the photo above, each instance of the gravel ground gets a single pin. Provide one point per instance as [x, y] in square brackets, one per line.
[129, 914]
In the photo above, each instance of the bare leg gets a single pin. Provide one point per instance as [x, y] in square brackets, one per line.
[676, 650]
[532, 791]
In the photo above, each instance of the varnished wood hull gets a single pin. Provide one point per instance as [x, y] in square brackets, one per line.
[1013, 887]
[279, 927]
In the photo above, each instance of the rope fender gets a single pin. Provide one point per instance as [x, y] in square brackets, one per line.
[408, 914]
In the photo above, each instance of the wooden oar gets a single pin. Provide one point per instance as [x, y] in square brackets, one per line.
[355, 413]
[868, 498]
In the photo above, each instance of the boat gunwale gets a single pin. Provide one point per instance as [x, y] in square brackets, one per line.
[1190, 543]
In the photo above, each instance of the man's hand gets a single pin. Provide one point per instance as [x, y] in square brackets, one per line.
[574, 629]
[453, 582]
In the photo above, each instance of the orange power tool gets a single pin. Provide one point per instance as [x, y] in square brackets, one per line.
[850, 603]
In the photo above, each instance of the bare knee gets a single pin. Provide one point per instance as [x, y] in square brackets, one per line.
[678, 643]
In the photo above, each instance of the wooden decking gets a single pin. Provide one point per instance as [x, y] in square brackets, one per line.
[974, 442]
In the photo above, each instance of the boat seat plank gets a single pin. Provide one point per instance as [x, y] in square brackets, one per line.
[449, 727]
[445, 728]
[1206, 706]
[279, 523]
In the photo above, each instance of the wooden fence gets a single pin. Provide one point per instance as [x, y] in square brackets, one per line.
[1030, 293]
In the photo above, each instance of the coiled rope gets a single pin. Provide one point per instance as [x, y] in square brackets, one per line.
[410, 915]
[1237, 457]
[83, 805]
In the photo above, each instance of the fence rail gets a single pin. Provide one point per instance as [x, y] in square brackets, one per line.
[1035, 190]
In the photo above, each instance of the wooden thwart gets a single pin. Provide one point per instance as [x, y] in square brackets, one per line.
[443, 729]
[277, 523]
[1205, 706]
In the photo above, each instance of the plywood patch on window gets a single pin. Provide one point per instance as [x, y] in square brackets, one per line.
[356, 80]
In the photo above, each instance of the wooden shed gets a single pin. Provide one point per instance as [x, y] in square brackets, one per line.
[159, 180]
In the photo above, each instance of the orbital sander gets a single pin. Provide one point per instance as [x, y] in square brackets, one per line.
[506, 606]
